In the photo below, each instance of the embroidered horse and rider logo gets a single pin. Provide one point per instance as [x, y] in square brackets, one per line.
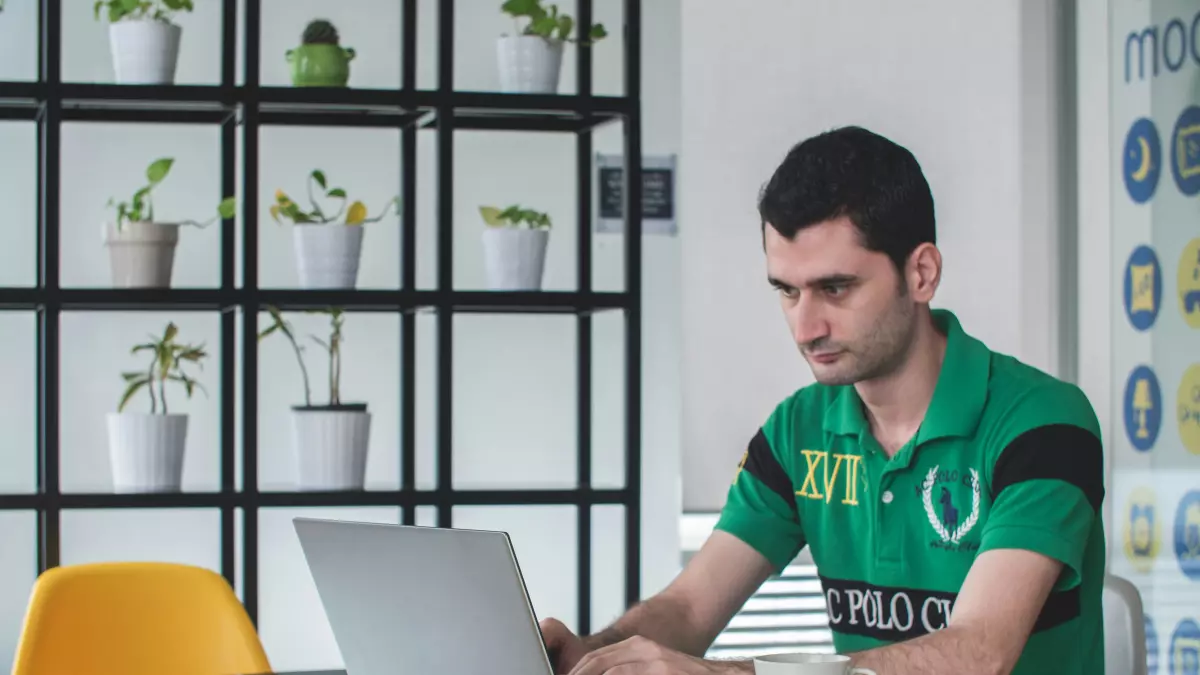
[951, 519]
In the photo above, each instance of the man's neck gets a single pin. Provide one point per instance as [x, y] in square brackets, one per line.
[896, 404]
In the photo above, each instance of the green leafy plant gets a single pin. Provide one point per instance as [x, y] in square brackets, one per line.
[166, 364]
[159, 10]
[515, 217]
[548, 23]
[332, 346]
[355, 214]
[320, 32]
[140, 207]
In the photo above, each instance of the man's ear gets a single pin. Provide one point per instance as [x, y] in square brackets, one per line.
[924, 272]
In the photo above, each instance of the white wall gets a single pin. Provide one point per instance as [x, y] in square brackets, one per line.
[514, 376]
[945, 80]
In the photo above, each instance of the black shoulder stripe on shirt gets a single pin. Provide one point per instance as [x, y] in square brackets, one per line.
[1056, 451]
[762, 464]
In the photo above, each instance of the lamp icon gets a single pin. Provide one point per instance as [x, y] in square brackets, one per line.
[1142, 405]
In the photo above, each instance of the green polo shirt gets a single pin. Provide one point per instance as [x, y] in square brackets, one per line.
[1006, 457]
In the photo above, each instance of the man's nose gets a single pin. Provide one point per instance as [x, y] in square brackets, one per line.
[808, 325]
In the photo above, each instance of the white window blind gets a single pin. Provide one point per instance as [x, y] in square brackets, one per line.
[787, 614]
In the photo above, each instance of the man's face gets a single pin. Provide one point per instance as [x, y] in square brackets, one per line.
[846, 306]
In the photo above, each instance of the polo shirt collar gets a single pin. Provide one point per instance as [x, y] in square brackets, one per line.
[958, 397]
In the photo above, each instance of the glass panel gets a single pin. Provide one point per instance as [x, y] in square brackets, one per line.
[426, 405]
[292, 624]
[95, 351]
[608, 564]
[608, 399]
[18, 162]
[427, 516]
[18, 570]
[369, 373]
[608, 219]
[87, 57]
[186, 536]
[514, 401]
[109, 161]
[660, 19]
[19, 35]
[365, 163]
[371, 29]
[1155, 369]
[544, 540]
[542, 178]
[427, 41]
[18, 402]
[427, 209]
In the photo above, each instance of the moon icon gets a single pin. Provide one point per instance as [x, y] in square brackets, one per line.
[1141, 160]
[1144, 169]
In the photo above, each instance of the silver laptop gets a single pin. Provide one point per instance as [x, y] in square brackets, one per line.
[422, 600]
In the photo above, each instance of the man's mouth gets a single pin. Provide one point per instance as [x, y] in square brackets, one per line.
[824, 357]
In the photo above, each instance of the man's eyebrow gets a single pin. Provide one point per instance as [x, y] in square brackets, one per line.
[827, 280]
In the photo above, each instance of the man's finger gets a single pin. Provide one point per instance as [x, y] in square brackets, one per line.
[600, 661]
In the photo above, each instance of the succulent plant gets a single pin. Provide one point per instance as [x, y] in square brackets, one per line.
[320, 32]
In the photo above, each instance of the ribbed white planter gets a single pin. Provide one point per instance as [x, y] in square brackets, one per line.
[141, 255]
[529, 64]
[514, 258]
[144, 51]
[146, 451]
[331, 446]
[327, 256]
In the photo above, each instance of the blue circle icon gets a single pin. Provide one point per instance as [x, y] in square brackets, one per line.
[1143, 408]
[1184, 655]
[1187, 534]
[1143, 287]
[1142, 160]
[1185, 151]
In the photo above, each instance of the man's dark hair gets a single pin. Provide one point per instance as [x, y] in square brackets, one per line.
[855, 173]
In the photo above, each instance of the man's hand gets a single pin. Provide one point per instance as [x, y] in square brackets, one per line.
[642, 656]
[565, 648]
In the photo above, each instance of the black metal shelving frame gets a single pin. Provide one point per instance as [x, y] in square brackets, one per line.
[50, 102]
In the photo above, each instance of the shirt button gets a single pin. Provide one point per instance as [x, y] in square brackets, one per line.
[887, 497]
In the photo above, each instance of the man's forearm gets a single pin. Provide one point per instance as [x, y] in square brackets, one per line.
[661, 619]
[664, 620]
[952, 650]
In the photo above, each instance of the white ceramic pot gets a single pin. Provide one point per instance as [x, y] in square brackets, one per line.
[331, 446]
[529, 64]
[327, 256]
[144, 51]
[514, 258]
[146, 451]
[141, 255]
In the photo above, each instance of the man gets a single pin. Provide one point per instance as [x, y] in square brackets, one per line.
[949, 494]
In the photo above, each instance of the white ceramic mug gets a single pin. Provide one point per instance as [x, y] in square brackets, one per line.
[801, 663]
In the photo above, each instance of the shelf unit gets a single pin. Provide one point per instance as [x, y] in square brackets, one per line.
[49, 102]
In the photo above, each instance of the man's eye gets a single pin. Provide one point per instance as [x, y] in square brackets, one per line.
[789, 292]
[834, 289]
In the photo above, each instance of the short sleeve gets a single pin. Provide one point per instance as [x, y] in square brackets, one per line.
[1048, 480]
[761, 505]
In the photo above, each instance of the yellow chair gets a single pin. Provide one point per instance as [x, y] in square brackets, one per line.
[138, 618]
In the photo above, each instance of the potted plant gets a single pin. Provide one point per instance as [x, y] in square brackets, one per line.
[320, 60]
[147, 449]
[514, 247]
[331, 440]
[141, 250]
[530, 60]
[143, 39]
[327, 246]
